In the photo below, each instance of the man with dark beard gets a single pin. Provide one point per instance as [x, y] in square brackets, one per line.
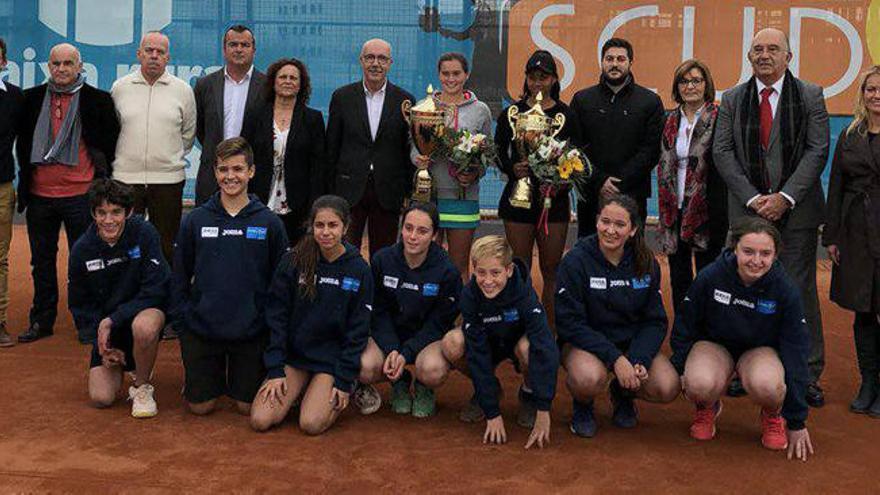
[621, 123]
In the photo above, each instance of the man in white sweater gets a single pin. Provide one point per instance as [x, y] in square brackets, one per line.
[157, 112]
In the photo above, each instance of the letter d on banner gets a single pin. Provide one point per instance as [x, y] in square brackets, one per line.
[544, 43]
[852, 36]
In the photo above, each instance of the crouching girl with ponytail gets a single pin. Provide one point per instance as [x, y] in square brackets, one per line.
[318, 314]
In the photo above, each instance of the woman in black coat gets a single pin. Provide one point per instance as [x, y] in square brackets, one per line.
[852, 235]
[288, 142]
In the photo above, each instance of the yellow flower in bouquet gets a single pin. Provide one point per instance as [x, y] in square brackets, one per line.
[565, 169]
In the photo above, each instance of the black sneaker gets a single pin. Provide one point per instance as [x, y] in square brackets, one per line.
[866, 397]
[624, 413]
[527, 409]
[33, 333]
[583, 423]
[735, 389]
[815, 395]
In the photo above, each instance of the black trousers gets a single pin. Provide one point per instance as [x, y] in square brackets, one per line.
[163, 206]
[44, 217]
[368, 214]
[681, 267]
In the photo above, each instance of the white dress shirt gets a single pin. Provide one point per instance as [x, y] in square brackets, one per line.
[234, 99]
[374, 107]
[774, 96]
[375, 101]
[682, 150]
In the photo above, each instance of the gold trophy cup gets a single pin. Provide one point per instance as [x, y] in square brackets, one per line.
[426, 123]
[527, 128]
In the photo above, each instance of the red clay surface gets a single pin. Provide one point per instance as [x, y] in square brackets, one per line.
[51, 440]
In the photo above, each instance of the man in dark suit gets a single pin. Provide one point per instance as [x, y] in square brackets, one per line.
[771, 145]
[67, 138]
[225, 100]
[368, 148]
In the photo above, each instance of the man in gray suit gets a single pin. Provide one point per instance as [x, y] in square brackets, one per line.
[771, 145]
[225, 100]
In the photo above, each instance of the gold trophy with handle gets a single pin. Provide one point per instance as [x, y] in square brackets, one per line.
[426, 125]
[528, 127]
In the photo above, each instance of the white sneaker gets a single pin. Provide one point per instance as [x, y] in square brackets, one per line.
[367, 399]
[142, 403]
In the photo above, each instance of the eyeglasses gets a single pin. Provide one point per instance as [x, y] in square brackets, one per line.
[772, 50]
[691, 82]
[370, 59]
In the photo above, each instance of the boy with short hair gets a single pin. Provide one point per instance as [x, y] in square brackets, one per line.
[225, 255]
[503, 319]
[118, 291]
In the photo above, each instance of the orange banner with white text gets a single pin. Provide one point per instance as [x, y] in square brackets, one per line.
[832, 41]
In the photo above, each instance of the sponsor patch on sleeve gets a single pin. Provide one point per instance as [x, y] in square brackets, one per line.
[430, 289]
[351, 284]
[257, 233]
[766, 306]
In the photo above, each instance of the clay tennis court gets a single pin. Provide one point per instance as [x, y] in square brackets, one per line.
[51, 440]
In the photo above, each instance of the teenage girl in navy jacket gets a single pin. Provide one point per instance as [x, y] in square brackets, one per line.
[744, 314]
[318, 312]
[415, 303]
[610, 317]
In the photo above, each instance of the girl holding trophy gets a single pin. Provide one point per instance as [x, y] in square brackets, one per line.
[457, 187]
[520, 126]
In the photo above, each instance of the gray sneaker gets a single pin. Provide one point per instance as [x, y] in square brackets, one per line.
[5, 338]
[471, 412]
[367, 399]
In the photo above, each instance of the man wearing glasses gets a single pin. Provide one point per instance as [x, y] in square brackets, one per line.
[771, 145]
[67, 138]
[224, 101]
[368, 148]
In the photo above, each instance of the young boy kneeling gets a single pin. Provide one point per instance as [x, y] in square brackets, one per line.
[118, 290]
[224, 258]
[503, 319]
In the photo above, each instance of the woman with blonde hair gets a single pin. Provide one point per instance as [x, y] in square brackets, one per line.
[852, 235]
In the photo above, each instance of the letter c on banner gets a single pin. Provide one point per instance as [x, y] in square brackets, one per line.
[621, 19]
[852, 36]
[544, 43]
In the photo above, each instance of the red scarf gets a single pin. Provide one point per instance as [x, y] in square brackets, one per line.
[692, 220]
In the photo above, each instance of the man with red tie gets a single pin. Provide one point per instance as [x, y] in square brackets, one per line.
[771, 145]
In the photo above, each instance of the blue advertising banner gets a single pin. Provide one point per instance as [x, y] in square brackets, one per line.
[326, 34]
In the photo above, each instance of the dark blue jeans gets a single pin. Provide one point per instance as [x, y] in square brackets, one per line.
[44, 218]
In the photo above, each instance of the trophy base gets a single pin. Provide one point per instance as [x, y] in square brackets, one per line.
[518, 203]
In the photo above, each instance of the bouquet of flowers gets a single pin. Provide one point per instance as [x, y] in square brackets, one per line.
[557, 165]
[468, 153]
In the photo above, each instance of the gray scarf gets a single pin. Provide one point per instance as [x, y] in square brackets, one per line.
[63, 148]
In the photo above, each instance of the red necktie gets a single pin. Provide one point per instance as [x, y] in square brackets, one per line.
[766, 117]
